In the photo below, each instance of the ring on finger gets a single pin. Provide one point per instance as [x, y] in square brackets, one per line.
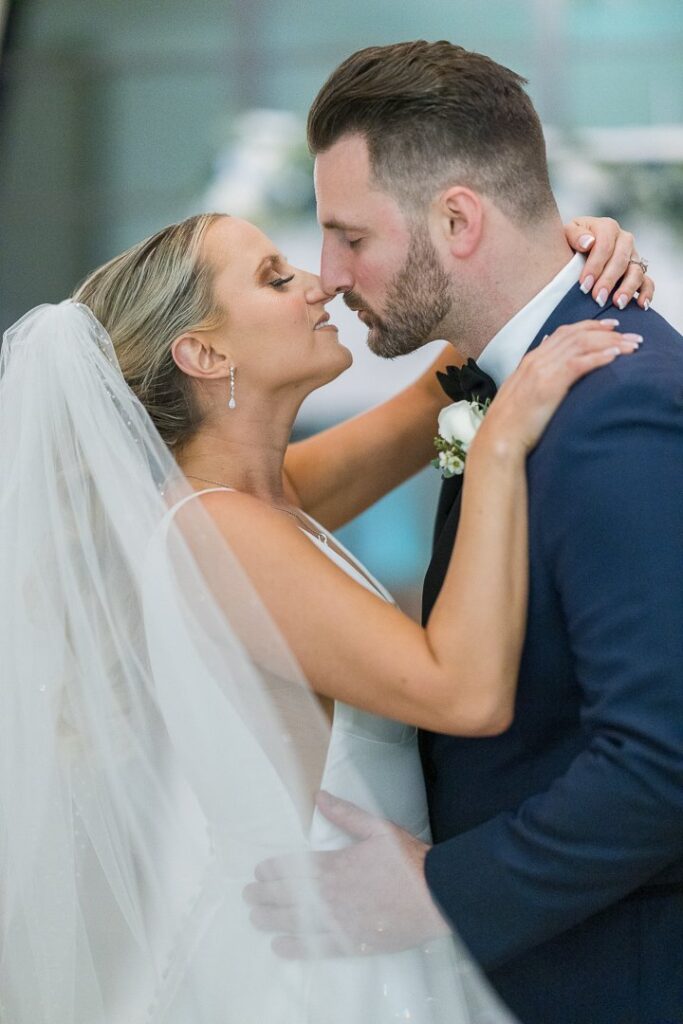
[641, 261]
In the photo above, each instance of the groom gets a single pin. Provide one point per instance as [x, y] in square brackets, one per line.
[558, 846]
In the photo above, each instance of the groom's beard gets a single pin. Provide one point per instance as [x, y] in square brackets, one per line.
[419, 299]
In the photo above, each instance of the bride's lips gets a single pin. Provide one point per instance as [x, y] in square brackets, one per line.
[323, 323]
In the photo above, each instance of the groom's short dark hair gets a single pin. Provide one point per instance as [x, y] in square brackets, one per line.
[435, 114]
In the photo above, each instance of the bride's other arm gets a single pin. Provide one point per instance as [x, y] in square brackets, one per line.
[337, 474]
[458, 674]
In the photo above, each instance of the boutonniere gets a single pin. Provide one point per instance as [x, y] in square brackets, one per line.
[458, 425]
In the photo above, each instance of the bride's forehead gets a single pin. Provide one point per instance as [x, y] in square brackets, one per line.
[233, 240]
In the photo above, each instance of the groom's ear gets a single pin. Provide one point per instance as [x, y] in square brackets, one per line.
[460, 217]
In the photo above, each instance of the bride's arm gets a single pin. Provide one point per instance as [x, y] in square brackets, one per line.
[458, 674]
[336, 474]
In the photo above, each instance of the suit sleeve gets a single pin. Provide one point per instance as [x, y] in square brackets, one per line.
[609, 475]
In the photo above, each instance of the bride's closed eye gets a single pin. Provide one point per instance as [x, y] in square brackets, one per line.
[279, 282]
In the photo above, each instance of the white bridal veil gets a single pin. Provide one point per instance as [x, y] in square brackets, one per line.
[157, 739]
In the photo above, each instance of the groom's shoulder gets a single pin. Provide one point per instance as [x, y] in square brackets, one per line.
[668, 342]
[632, 390]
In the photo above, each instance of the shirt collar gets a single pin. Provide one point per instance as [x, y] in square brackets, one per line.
[506, 349]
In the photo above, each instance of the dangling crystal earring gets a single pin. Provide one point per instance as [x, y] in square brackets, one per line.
[232, 404]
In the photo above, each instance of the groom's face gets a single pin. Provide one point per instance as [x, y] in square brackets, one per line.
[386, 267]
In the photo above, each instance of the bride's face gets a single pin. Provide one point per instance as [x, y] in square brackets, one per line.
[276, 331]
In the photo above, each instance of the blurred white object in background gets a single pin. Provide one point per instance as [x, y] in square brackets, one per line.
[634, 173]
[263, 169]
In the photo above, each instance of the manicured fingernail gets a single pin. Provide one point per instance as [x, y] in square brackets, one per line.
[585, 241]
[632, 337]
[602, 297]
[587, 284]
[608, 323]
[646, 305]
[622, 301]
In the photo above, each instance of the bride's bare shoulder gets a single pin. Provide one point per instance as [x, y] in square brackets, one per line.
[246, 520]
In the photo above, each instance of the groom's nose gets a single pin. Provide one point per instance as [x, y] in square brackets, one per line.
[335, 272]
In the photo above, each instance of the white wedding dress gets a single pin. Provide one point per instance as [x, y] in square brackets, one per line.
[375, 763]
[159, 740]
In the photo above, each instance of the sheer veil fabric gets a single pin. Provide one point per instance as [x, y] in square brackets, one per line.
[157, 738]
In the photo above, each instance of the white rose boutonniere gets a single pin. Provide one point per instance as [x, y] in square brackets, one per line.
[458, 424]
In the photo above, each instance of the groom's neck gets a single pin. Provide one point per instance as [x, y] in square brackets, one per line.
[511, 267]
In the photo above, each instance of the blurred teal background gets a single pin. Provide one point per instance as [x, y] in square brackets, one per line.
[119, 116]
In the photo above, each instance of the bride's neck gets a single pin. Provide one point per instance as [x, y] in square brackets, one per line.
[240, 449]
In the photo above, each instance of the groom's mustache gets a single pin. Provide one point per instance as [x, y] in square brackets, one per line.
[354, 302]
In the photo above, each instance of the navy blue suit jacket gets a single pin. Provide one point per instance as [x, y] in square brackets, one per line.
[559, 845]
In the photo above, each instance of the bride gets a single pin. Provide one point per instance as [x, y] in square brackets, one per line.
[178, 620]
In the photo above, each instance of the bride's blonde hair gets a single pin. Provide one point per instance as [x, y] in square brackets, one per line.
[147, 297]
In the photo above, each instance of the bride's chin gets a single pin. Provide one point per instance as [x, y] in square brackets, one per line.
[340, 366]
[347, 359]
[341, 361]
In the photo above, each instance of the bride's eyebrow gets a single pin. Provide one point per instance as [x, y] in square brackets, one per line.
[273, 261]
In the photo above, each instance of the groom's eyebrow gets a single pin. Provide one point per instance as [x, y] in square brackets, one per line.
[339, 225]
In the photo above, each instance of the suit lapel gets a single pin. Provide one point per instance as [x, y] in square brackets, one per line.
[575, 306]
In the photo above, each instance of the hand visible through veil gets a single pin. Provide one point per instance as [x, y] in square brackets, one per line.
[374, 891]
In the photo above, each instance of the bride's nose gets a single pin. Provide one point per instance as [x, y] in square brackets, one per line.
[315, 293]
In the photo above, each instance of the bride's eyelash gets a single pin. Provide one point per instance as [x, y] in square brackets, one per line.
[281, 281]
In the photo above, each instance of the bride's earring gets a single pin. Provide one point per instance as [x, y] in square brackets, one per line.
[232, 404]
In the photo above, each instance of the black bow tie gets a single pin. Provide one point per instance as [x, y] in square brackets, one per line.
[468, 383]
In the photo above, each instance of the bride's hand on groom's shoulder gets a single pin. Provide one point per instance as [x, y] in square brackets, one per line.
[611, 261]
[532, 394]
[372, 895]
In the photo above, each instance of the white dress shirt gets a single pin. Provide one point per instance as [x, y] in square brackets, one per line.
[506, 349]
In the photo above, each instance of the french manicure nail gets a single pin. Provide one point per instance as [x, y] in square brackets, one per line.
[632, 337]
[587, 284]
[602, 297]
[609, 322]
[586, 240]
[622, 301]
[646, 305]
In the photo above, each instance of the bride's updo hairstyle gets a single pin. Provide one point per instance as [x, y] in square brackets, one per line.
[145, 298]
